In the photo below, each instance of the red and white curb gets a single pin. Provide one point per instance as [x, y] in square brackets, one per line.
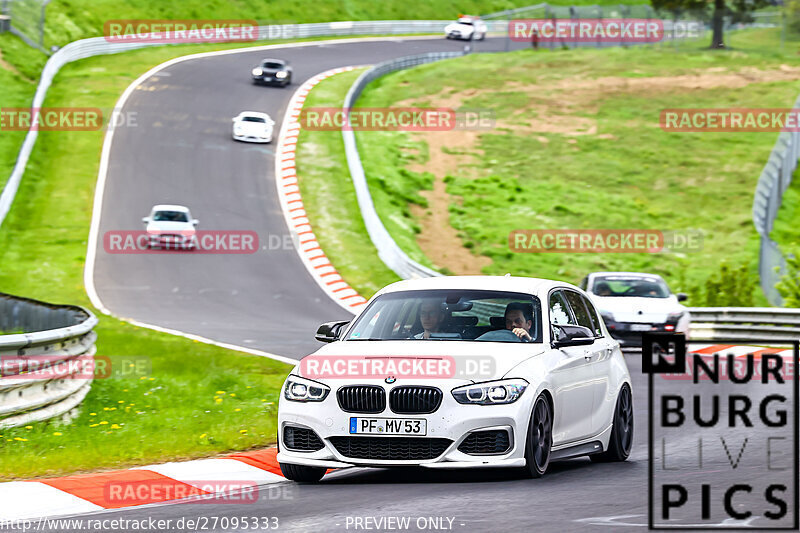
[312, 255]
[146, 485]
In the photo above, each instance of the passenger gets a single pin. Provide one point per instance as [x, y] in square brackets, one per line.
[432, 316]
[519, 320]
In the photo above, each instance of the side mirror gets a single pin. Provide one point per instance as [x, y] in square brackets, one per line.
[195, 222]
[330, 331]
[233, 119]
[145, 219]
[568, 335]
[682, 297]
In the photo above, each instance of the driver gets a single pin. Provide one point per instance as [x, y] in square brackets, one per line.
[602, 289]
[432, 317]
[519, 320]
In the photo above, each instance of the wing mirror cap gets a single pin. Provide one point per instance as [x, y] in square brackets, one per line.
[331, 331]
[570, 335]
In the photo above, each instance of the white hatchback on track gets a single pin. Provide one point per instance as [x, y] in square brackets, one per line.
[454, 372]
[632, 303]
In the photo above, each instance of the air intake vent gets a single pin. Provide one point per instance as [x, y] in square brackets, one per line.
[301, 439]
[491, 442]
[390, 448]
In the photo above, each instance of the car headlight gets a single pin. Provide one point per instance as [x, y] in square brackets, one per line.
[491, 393]
[282, 74]
[675, 317]
[237, 130]
[299, 389]
[257, 71]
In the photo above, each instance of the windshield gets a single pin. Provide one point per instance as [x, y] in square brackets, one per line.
[272, 65]
[253, 119]
[170, 216]
[640, 286]
[465, 22]
[446, 315]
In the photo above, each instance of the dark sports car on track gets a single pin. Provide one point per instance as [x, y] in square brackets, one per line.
[272, 72]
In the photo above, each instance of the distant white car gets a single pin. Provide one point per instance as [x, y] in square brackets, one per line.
[171, 227]
[252, 126]
[632, 303]
[466, 28]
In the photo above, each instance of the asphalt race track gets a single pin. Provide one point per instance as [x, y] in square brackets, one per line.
[181, 152]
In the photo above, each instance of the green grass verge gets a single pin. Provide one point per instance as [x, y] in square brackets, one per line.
[641, 177]
[68, 20]
[42, 250]
[18, 88]
[323, 176]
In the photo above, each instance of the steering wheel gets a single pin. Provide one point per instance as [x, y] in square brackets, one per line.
[499, 335]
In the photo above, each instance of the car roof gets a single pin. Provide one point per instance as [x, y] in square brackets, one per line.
[170, 207]
[647, 274]
[254, 114]
[522, 284]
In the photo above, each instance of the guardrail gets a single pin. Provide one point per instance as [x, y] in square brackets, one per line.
[775, 178]
[757, 323]
[62, 333]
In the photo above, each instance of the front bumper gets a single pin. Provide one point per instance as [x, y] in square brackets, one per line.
[451, 421]
[629, 334]
[252, 139]
[271, 80]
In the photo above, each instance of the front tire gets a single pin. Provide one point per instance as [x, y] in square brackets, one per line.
[301, 473]
[621, 440]
[540, 438]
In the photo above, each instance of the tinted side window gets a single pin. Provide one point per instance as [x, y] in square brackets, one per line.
[559, 310]
[579, 310]
[598, 330]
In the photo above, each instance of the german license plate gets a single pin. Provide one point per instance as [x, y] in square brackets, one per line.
[640, 327]
[388, 426]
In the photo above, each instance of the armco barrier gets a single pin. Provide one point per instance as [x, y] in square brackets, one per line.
[60, 332]
[757, 323]
[774, 180]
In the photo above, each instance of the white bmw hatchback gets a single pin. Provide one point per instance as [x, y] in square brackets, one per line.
[454, 372]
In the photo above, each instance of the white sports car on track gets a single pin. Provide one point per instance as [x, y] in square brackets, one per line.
[252, 126]
[454, 372]
[632, 303]
[466, 28]
[171, 227]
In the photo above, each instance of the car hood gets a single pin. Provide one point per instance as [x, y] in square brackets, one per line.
[170, 226]
[460, 360]
[637, 309]
[253, 128]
